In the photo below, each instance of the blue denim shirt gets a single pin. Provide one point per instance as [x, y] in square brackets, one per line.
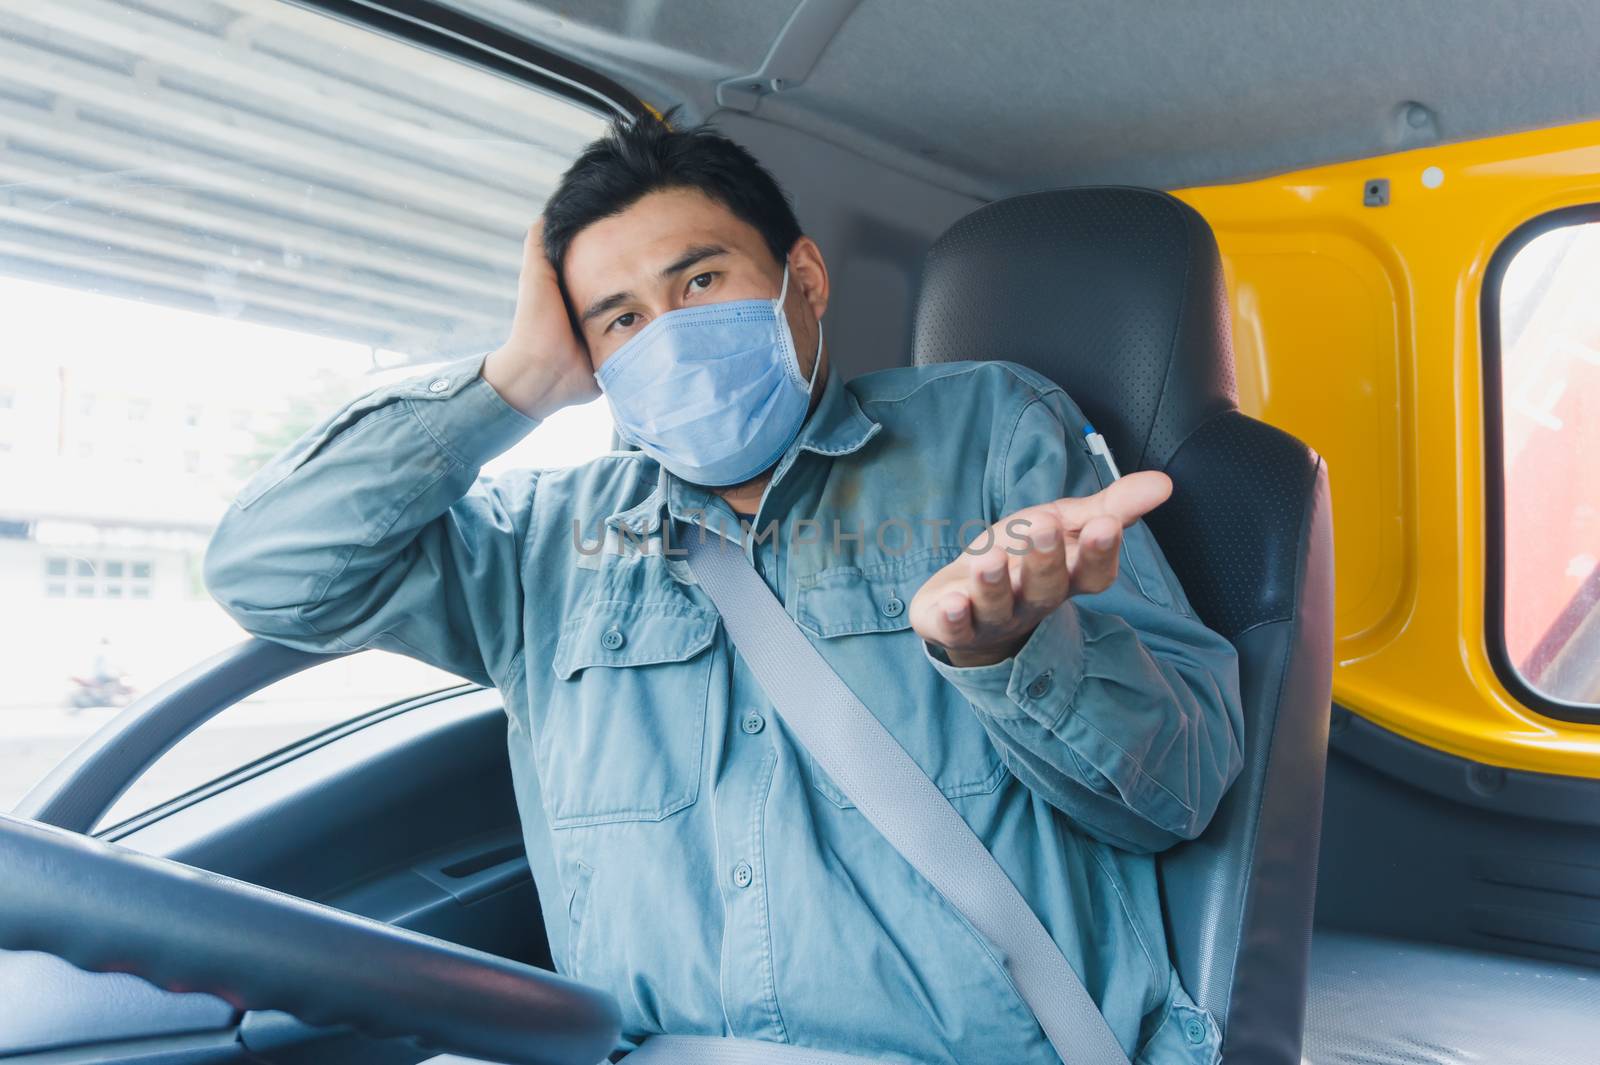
[692, 860]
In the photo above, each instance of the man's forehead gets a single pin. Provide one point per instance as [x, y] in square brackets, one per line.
[627, 248]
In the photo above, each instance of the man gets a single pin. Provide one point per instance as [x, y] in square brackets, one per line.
[944, 536]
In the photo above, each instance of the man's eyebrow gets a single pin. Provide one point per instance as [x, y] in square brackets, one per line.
[691, 255]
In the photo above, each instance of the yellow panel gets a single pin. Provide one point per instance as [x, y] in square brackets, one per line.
[1328, 378]
[1357, 330]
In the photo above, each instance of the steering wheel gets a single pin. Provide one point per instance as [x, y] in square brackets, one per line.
[107, 908]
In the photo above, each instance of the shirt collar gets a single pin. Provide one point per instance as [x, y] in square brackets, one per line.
[838, 426]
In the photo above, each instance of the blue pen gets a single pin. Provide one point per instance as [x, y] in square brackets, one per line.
[1098, 446]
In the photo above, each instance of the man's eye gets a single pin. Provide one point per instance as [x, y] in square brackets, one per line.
[708, 275]
[624, 320]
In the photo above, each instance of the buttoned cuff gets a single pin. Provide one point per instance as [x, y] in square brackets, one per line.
[470, 420]
[1037, 682]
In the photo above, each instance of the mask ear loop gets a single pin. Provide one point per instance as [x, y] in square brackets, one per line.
[783, 290]
[816, 360]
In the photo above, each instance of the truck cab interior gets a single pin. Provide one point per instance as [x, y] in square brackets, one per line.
[1334, 268]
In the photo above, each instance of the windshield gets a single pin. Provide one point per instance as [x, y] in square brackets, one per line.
[222, 221]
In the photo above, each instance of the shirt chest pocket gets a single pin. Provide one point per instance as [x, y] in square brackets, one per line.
[859, 618]
[623, 735]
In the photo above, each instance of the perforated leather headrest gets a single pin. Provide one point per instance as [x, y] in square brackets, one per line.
[1115, 293]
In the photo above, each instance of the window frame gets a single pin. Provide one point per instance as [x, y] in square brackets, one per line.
[107, 829]
[460, 36]
[1494, 582]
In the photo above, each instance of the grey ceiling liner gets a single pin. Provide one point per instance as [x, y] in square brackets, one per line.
[991, 97]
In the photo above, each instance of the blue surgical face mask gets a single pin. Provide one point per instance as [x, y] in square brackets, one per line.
[714, 393]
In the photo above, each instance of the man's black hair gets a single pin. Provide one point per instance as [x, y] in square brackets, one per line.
[644, 154]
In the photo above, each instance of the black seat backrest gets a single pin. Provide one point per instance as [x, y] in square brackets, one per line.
[1118, 295]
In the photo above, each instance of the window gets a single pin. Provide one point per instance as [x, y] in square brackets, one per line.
[1542, 320]
[224, 221]
[105, 578]
[8, 419]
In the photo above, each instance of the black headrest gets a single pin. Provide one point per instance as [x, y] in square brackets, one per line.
[1114, 293]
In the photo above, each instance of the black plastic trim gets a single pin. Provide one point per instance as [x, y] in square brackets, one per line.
[273, 759]
[200, 1048]
[1514, 792]
[1494, 597]
[444, 30]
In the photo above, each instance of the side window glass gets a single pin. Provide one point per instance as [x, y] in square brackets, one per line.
[1547, 377]
[224, 220]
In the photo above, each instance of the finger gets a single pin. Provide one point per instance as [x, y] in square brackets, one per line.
[1045, 576]
[989, 587]
[1132, 497]
[953, 619]
[1127, 499]
[1098, 545]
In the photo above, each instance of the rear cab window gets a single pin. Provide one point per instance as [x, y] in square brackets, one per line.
[1542, 342]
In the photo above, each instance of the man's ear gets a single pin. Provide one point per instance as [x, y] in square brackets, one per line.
[809, 273]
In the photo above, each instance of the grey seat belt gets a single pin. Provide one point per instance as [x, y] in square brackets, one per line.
[896, 797]
[714, 1050]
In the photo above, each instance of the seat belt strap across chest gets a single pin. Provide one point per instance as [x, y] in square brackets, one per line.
[716, 1050]
[899, 800]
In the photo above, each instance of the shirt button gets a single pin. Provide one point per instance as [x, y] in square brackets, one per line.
[612, 639]
[1039, 686]
[742, 875]
[438, 384]
[1194, 1030]
[893, 606]
[753, 722]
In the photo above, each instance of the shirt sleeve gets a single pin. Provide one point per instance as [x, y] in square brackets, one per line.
[1122, 709]
[373, 529]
